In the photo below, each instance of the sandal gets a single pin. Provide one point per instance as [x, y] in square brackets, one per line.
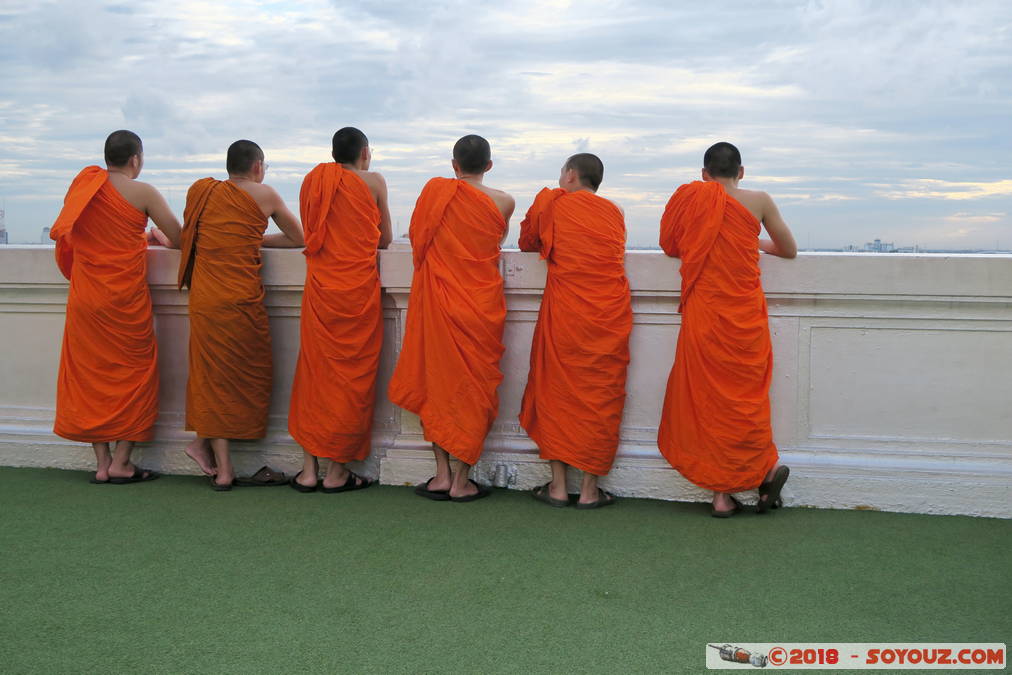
[139, 476]
[226, 487]
[771, 491]
[603, 499]
[264, 477]
[730, 512]
[422, 490]
[482, 492]
[542, 495]
[353, 482]
[299, 487]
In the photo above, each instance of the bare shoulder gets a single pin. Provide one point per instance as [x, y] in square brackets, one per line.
[756, 201]
[499, 196]
[374, 179]
[139, 194]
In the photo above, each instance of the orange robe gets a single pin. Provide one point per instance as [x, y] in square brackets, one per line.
[575, 393]
[715, 424]
[448, 369]
[107, 388]
[342, 318]
[228, 392]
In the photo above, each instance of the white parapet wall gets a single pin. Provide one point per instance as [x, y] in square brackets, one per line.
[892, 382]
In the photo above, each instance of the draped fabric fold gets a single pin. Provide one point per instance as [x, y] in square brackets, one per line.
[341, 325]
[448, 369]
[107, 387]
[229, 387]
[715, 423]
[572, 406]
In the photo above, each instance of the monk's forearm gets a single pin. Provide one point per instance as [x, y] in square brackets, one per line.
[767, 246]
[280, 240]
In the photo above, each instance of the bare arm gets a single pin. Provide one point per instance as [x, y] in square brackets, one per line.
[386, 236]
[507, 212]
[291, 235]
[781, 242]
[159, 212]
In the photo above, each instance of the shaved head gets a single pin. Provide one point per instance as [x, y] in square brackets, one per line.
[472, 154]
[121, 146]
[588, 167]
[722, 160]
[241, 157]
[347, 145]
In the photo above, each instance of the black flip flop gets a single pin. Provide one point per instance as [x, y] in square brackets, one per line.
[354, 482]
[139, 476]
[771, 490]
[299, 487]
[96, 481]
[422, 490]
[603, 499]
[542, 494]
[264, 477]
[482, 492]
[726, 514]
[227, 487]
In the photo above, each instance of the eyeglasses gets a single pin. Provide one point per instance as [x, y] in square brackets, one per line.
[266, 166]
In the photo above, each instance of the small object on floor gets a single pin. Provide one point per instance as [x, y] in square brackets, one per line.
[422, 490]
[264, 477]
[139, 476]
[603, 499]
[95, 481]
[542, 494]
[728, 513]
[299, 487]
[226, 487]
[482, 492]
[771, 490]
[354, 482]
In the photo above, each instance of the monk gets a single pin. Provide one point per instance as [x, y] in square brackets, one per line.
[346, 219]
[448, 370]
[229, 387]
[107, 388]
[715, 424]
[572, 406]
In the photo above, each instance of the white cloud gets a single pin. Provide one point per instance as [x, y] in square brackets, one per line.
[860, 118]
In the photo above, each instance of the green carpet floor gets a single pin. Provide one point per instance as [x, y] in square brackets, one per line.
[171, 577]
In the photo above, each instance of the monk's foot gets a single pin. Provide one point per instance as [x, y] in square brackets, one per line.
[199, 452]
[336, 479]
[223, 479]
[305, 479]
[723, 502]
[559, 491]
[128, 470]
[470, 489]
[102, 472]
[437, 484]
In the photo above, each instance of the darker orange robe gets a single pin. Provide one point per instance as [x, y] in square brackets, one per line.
[107, 388]
[715, 424]
[228, 392]
[342, 318]
[448, 369]
[575, 393]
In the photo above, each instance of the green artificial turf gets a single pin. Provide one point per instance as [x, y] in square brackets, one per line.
[171, 577]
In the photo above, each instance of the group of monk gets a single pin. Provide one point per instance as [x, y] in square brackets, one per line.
[715, 424]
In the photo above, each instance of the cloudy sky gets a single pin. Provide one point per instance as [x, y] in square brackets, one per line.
[862, 119]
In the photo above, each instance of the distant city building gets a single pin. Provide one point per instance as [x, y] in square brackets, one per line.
[45, 236]
[879, 246]
[3, 228]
